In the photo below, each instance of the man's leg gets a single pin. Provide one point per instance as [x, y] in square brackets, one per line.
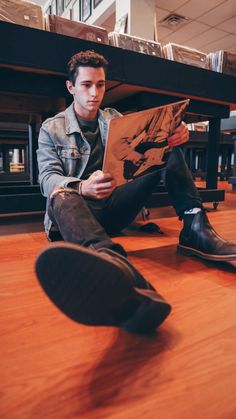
[77, 223]
[95, 287]
[197, 236]
[127, 201]
[179, 183]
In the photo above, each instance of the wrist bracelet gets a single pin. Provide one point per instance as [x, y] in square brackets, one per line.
[80, 188]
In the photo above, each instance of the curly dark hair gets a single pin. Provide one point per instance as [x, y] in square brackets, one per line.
[87, 58]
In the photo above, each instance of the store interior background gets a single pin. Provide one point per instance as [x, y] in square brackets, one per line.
[52, 367]
[205, 25]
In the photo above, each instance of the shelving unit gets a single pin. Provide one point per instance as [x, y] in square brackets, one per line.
[32, 86]
[229, 125]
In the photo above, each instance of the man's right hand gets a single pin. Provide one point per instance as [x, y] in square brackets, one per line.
[98, 186]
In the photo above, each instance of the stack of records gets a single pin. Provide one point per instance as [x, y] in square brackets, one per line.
[80, 30]
[134, 43]
[185, 55]
[223, 62]
[22, 13]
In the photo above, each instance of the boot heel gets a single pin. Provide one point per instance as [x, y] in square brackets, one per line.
[148, 316]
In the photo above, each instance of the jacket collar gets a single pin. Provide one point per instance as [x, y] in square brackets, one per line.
[71, 122]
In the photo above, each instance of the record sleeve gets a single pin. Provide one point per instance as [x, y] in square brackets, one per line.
[138, 142]
[22, 13]
[223, 62]
[185, 55]
[133, 43]
[80, 30]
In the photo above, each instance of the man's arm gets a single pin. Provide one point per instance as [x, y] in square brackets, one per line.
[51, 172]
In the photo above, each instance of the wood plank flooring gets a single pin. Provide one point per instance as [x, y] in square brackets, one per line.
[52, 367]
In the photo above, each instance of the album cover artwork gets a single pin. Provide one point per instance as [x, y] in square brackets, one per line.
[134, 43]
[185, 55]
[80, 30]
[138, 142]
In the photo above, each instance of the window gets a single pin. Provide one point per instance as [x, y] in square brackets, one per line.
[49, 10]
[75, 15]
[96, 3]
[60, 7]
[86, 9]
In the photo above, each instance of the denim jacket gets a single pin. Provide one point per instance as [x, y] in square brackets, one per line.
[63, 152]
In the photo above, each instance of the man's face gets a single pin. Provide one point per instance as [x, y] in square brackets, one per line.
[88, 91]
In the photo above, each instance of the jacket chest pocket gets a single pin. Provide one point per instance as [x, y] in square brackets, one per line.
[71, 160]
[68, 153]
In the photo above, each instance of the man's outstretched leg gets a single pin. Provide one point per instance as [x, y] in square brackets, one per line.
[99, 288]
[197, 237]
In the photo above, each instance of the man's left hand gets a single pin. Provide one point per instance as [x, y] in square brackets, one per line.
[179, 136]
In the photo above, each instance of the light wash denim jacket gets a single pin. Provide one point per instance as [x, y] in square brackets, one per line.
[63, 152]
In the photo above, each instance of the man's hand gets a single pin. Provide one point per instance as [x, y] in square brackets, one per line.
[98, 186]
[179, 136]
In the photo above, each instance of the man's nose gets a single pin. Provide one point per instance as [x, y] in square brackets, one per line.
[93, 90]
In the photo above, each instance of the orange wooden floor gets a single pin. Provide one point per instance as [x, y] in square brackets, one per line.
[52, 367]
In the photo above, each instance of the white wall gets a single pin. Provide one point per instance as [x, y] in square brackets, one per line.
[102, 12]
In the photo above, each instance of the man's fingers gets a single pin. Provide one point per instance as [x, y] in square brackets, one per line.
[178, 142]
[177, 137]
[103, 177]
[183, 132]
[104, 193]
[180, 136]
[96, 174]
[105, 186]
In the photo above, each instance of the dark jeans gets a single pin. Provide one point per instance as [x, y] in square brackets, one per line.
[91, 222]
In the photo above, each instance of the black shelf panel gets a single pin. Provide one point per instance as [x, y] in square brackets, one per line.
[145, 100]
[161, 199]
[41, 50]
[15, 201]
[47, 51]
[18, 203]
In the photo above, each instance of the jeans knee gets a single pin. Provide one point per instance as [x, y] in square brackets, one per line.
[58, 201]
[63, 192]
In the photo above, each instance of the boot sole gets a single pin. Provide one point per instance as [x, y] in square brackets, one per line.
[88, 288]
[188, 251]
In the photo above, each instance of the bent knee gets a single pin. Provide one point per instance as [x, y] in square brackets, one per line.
[63, 191]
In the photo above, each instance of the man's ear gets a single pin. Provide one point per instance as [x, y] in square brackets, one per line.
[70, 87]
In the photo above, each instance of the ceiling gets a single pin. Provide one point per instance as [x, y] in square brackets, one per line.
[211, 24]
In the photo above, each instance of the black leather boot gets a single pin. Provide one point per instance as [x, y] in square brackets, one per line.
[138, 280]
[99, 288]
[201, 240]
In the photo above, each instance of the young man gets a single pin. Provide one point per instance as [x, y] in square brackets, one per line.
[90, 279]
